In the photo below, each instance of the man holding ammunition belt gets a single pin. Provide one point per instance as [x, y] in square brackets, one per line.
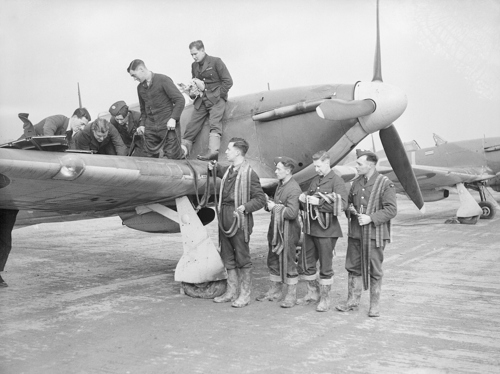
[321, 204]
[372, 204]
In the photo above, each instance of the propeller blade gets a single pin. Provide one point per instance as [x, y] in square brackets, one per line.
[396, 154]
[339, 110]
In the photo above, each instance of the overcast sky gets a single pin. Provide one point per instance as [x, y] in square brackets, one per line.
[445, 54]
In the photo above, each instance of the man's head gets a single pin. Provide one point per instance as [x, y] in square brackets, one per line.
[79, 119]
[119, 110]
[197, 50]
[284, 167]
[100, 129]
[366, 162]
[321, 161]
[137, 70]
[236, 148]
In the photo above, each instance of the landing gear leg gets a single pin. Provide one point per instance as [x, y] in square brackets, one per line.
[488, 208]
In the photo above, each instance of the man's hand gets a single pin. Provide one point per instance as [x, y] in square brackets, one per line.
[270, 204]
[140, 130]
[313, 200]
[211, 165]
[364, 219]
[302, 197]
[241, 209]
[171, 124]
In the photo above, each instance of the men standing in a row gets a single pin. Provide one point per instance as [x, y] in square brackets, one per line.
[99, 136]
[283, 235]
[372, 200]
[323, 202]
[161, 106]
[240, 195]
[211, 74]
[126, 122]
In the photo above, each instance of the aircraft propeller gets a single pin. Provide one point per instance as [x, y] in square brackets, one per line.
[392, 103]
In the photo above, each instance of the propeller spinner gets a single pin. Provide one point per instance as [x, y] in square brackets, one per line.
[377, 105]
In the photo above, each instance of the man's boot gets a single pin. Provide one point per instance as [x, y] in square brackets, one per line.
[213, 148]
[186, 146]
[231, 288]
[291, 296]
[354, 288]
[274, 292]
[312, 295]
[245, 288]
[375, 288]
[325, 300]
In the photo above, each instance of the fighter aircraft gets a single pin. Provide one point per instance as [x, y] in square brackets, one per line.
[158, 195]
[451, 167]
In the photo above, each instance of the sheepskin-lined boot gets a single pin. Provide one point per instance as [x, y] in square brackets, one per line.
[312, 295]
[354, 288]
[375, 289]
[274, 292]
[245, 288]
[231, 289]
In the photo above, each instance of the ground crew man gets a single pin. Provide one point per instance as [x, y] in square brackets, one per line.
[283, 235]
[321, 206]
[99, 136]
[126, 122]
[211, 76]
[240, 195]
[372, 205]
[56, 125]
[161, 106]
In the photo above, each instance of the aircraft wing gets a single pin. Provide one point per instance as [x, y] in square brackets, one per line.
[96, 185]
[437, 177]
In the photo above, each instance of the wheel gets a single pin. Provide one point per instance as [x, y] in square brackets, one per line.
[488, 210]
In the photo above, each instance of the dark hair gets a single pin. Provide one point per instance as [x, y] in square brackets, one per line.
[82, 112]
[198, 44]
[288, 164]
[241, 144]
[321, 155]
[135, 64]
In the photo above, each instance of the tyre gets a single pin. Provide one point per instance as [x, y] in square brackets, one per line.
[488, 210]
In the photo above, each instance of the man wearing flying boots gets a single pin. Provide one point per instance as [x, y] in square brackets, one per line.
[372, 205]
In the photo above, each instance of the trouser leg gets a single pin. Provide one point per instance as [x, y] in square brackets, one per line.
[215, 116]
[7, 222]
[172, 148]
[195, 125]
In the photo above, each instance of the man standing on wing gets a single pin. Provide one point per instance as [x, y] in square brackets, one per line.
[212, 78]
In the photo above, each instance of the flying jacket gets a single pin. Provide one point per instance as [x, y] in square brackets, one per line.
[359, 196]
[326, 185]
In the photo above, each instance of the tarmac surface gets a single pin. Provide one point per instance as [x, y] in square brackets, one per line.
[96, 297]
